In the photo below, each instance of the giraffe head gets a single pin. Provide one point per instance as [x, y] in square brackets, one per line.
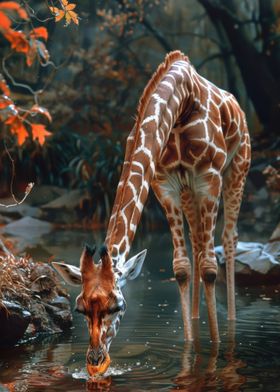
[101, 299]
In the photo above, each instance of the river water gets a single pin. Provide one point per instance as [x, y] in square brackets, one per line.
[149, 352]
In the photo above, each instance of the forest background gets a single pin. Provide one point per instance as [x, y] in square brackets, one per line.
[72, 74]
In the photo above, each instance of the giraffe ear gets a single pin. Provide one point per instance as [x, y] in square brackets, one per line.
[132, 267]
[70, 273]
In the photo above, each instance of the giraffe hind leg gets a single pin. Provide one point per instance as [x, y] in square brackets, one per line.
[181, 262]
[233, 185]
[208, 189]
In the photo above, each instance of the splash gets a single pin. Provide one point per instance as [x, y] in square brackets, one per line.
[112, 371]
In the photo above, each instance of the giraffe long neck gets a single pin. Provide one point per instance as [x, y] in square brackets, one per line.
[144, 147]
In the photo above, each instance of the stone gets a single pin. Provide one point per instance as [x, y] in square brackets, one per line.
[28, 228]
[14, 320]
[21, 210]
[64, 209]
[60, 302]
[45, 306]
[63, 319]
[43, 194]
[254, 262]
[69, 200]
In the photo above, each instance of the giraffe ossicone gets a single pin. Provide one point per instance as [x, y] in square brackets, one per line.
[191, 144]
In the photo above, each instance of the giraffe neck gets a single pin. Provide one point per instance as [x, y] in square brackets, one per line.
[144, 146]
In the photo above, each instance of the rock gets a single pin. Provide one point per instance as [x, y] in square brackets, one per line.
[28, 228]
[43, 194]
[65, 208]
[21, 210]
[14, 320]
[40, 318]
[42, 284]
[69, 200]
[254, 262]
[60, 302]
[63, 319]
[44, 306]
[4, 220]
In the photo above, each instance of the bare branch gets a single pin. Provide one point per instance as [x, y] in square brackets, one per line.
[27, 190]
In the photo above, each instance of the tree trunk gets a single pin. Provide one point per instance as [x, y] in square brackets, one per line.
[259, 80]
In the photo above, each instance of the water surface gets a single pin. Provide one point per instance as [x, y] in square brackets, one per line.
[149, 352]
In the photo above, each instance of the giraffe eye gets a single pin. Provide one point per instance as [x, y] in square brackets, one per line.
[115, 309]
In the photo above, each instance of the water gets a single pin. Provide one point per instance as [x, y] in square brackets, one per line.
[149, 353]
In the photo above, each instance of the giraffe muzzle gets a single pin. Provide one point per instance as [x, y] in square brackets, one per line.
[98, 361]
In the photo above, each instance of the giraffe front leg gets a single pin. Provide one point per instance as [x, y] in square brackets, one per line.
[182, 272]
[208, 206]
[181, 262]
[190, 209]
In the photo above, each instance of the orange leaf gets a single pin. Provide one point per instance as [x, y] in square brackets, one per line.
[17, 128]
[70, 7]
[4, 87]
[18, 41]
[5, 22]
[40, 32]
[39, 132]
[59, 14]
[12, 5]
[66, 12]
[71, 15]
[5, 101]
[41, 110]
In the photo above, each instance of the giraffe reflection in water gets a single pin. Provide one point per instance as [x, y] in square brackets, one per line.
[194, 378]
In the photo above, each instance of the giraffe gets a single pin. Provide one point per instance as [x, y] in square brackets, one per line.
[190, 144]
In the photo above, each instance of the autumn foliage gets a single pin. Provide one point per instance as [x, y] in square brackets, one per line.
[31, 43]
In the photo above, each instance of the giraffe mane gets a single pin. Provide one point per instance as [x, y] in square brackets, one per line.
[162, 69]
